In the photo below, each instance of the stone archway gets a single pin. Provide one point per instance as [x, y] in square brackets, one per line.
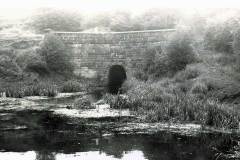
[116, 76]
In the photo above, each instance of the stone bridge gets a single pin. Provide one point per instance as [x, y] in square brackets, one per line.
[95, 53]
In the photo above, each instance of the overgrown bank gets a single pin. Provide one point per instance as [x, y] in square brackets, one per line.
[184, 83]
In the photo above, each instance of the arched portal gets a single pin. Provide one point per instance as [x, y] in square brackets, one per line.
[116, 77]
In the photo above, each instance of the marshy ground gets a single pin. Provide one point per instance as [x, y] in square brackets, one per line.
[37, 127]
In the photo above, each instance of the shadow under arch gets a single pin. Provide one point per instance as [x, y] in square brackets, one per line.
[116, 76]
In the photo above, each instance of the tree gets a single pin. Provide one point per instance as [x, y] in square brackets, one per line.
[179, 52]
[56, 55]
[55, 20]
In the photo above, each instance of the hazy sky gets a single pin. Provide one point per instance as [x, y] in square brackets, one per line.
[18, 8]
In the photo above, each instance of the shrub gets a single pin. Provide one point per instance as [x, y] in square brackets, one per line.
[153, 66]
[83, 103]
[56, 20]
[9, 68]
[56, 55]
[117, 101]
[236, 42]
[199, 88]
[72, 86]
[179, 52]
[32, 62]
[219, 38]
[191, 72]
[236, 48]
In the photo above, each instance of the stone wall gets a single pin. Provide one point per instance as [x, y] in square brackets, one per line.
[95, 53]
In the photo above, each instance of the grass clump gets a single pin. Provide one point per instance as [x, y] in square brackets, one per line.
[20, 90]
[199, 88]
[83, 103]
[72, 86]
[182, 108]
[117, 101]
[163, 101]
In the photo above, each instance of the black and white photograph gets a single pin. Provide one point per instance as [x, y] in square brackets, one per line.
[119, 80]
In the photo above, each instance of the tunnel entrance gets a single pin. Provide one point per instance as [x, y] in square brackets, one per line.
[116, 77]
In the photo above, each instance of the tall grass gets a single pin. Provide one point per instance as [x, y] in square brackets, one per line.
[163, 102]
[182, 108]
[72, 86]
[20, 90]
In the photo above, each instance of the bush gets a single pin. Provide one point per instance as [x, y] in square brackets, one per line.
[117, 101]
[179, 52]
[83, 103]
[219, 37]
[56, 55]
[56, 20]
[236, 48]
[9, 68]
[236, 42]
[72, 86]
[191, 72]
[154, 65]
[32, 62]
[199, 88]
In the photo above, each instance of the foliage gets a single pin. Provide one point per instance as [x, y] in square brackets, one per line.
[56, 55]
[236, 48]
[190, 72]
[56, 20]
[83, 103]
[159, 63]
[180, 52]
[116, 101]
[9, 68]
[219, 37]
[165, 101]
[153, 65]
[72, 86]
[19, 90]
[199, 88]
[30, 61]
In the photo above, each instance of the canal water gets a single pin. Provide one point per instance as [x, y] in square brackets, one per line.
[41, 136]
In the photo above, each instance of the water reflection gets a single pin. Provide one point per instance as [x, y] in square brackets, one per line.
[58, 146]
[76, 156]
[49, 137]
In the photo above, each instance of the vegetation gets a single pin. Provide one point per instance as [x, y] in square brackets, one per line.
[193, 78]
[20, 90]
[83, 103]
[161, 63]
[56, 20]
[59, 20]
[56, 55]
[72, 86]
[188, 82]
[180, 52]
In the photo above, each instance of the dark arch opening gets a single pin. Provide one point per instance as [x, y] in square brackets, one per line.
[116, 77]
